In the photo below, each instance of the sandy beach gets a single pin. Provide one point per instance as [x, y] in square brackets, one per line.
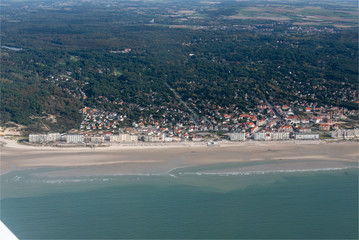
[128, 159]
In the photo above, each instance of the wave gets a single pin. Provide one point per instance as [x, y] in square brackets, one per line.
[57, 181]
[173, 173]
[111, 177]
[245, 173]
[14, 179]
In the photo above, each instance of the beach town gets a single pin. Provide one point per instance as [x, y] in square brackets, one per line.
[324, 135]
[265, 123]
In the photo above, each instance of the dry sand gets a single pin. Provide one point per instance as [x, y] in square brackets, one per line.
[121, 159]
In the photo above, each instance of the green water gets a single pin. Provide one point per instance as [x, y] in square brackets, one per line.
[274, 205]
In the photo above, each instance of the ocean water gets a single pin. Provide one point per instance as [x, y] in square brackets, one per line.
[215, 201]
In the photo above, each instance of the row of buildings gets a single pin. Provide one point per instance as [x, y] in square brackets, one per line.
[273, 136]
[345, 134]
[134, 138]
[44, 138]
[82, 138]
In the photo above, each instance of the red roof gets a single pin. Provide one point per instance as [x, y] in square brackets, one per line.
[253, 128]
[253, 118]
[285, 107]
[292, 117]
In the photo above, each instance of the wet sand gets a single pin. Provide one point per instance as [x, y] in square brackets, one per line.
[134, 159]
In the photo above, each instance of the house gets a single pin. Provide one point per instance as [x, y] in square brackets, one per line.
[335, 126]
[324, 127]
[316, 119]
[285, 107]
[304, 130]
[251, 117]
[250, 124]
[262, 107]
[254, 129]
[292, 119]
[304, 120]
[286, 129]
[271, 124]
[260, 122]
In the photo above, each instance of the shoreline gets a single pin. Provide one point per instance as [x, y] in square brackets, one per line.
[156, 158]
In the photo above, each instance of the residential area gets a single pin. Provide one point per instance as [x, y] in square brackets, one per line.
[264, 123]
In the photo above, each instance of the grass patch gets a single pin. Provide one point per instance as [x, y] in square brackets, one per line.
[73, 58]
[117, 72]
[61, 62]
[65, 76]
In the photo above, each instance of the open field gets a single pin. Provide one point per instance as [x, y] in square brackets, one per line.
[308, 15]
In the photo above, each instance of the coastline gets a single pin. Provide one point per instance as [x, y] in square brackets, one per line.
[151, 158]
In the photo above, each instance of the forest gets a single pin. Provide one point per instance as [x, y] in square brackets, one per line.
[57, 58]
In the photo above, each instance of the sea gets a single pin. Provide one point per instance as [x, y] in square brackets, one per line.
[200, 202]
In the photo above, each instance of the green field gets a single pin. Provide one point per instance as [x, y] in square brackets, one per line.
[346, 15]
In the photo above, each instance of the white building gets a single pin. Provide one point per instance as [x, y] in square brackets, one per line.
[152, 139]
[279, 136]
[260, 136]
[97, 139]
[53, 137]
[75, 138]
[306, 136]
[304, 130]
[122, 137]
[114, 138]
[345, 134]
[38, 138]
[44, 138]
[237, 136]
[168, 139]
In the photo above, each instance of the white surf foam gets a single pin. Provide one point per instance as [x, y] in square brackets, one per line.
[245, 173]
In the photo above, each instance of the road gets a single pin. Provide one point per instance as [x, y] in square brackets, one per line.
[194, 116]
